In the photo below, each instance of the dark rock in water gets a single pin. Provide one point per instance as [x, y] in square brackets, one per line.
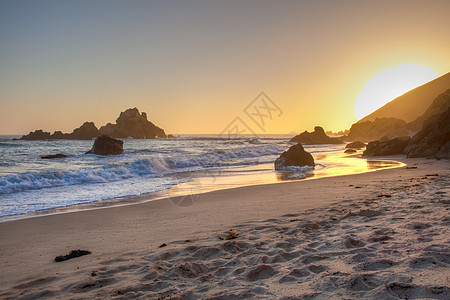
[370, 131]
[389, 147]
[171, 136]
[72, 254]
[433, 141]
[59, 155]
[58, 135]
[318, 136]
[105, 145]
[356, 145]
[130, 123]
[294, 156]
[87, 131]
[37, 135]
[133, 124]
[350, 151]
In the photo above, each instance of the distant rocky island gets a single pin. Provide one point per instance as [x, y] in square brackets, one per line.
[130, 123]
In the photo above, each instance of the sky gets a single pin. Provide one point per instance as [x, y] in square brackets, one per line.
[195, 66]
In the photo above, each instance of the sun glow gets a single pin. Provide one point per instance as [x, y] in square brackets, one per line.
[389, 84]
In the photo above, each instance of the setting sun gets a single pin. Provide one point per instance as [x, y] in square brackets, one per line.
[389, 84]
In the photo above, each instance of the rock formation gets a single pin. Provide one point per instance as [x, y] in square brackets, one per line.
[371, 131]
[87, 131]
[316, 137]
[433, 141]
[386, 147]
[105, 145]
[356, 145]
[37, 135]
[131, 123]
[439, 105]
[294, 156]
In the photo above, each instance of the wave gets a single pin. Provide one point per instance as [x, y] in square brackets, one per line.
[150, 165]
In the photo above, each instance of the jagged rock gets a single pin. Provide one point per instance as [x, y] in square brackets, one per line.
[105, 145]
[51, 156]
[37, 135]
[294, 156]
[356, 145]
[58, 135]
[87, 131]
[389, 147]
[439, 105]
[316, 137]
[171, 136]
[131, 123]
[433, 141]
[350, 151]
[370, 131]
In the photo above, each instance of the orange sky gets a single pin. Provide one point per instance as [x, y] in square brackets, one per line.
[194, 66]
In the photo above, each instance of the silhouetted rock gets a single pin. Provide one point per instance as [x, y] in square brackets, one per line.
[439, 105]
[37, 135]
[350, 151]
[105, 145]
[318, 136]
[171, 136]
[51, 156]
[433, 141]
[356, 145]
[370, 131]
[131, 123]
[58, 135]
[389, 147]
[87, 131]
[294, 156]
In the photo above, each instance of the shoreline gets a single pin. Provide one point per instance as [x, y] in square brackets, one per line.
[125, 241]
[187, 189]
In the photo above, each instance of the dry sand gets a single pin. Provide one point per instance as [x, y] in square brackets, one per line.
[378, 235]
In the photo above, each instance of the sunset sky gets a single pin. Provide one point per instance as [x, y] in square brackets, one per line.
[194, 66]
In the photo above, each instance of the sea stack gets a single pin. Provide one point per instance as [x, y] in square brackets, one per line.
[105, 145]
[294, 156]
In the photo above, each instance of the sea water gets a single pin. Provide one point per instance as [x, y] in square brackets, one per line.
[29, 183]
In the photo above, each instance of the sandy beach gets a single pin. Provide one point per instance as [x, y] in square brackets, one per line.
[377, 235]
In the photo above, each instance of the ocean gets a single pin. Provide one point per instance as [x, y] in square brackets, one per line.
[150, 168]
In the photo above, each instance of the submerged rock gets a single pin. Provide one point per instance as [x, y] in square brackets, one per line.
[316, 137]
[294, 156]
[105, 145]
[356, 145]
[350, 151]
[386, 147]
[51, 156]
